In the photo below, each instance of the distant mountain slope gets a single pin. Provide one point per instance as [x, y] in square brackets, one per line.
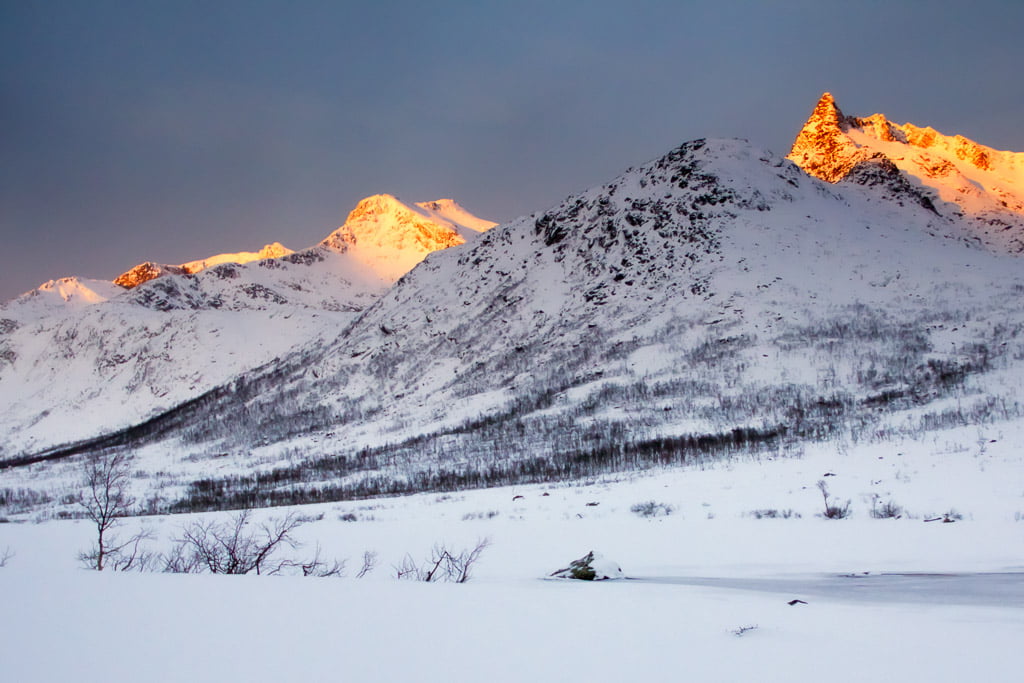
[716, 298]
[79, 358]
[984, 185]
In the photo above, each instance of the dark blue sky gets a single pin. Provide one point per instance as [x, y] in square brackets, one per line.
[170, 131]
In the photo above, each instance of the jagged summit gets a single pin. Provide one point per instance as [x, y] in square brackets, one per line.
[144, 272]
[966, 178]
[822, 147]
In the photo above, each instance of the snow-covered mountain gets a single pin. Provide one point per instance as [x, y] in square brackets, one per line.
[718, 298]
[714, 300]
[982, 185]
[82, 357]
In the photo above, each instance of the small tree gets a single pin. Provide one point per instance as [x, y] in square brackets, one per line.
[5, 555]
[106, 499]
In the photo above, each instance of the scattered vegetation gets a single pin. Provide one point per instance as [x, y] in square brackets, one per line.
[235, 547]
[489, 514]
[772, 513]
[652, 509]
[443, 564]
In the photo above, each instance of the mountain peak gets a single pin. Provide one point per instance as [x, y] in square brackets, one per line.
[392, 236]
[983, 184]
[377, 205]
[821, 147]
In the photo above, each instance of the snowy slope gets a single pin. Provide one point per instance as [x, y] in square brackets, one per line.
[983, 185]
[712, 301]
[80, 358]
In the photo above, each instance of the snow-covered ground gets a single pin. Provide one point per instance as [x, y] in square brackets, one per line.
[708, 600]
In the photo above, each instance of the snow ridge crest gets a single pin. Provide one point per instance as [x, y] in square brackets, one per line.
[962, 177]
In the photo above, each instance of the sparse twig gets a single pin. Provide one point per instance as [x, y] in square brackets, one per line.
[369, 563]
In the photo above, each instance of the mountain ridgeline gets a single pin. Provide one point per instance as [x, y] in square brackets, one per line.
[717, 301]
[81, 358]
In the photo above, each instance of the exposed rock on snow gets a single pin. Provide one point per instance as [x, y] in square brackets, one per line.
[144, 272]
[961, 176]
[591, 567]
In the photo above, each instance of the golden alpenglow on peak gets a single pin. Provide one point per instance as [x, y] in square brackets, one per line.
[960, 176]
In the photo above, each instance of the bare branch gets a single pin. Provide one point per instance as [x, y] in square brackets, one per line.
[369, 563]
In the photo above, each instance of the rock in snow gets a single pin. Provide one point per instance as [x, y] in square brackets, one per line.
[591, 567]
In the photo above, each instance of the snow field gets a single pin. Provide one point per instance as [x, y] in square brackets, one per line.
[508, 624]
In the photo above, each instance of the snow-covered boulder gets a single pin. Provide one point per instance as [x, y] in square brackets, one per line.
[591, 567]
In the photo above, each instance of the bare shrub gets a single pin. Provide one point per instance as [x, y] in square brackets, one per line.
[652, 509]
[443, 564]
[5, 556]
[234, 547]
[105, 500]
[772, 513]
[887, 510]
[833, 510]
[322, 568]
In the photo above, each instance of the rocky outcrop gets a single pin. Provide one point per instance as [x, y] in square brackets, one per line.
[144, 272]
[591, 567]
[948, 174]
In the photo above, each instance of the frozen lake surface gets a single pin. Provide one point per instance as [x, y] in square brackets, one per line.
[996, 589]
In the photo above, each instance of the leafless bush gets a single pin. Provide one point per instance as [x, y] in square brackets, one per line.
[832, 511]
[5, 556]
[652, 509]
[106, 500]
[887, 510]
[321, 568]
[234, 547]
[443, 565]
